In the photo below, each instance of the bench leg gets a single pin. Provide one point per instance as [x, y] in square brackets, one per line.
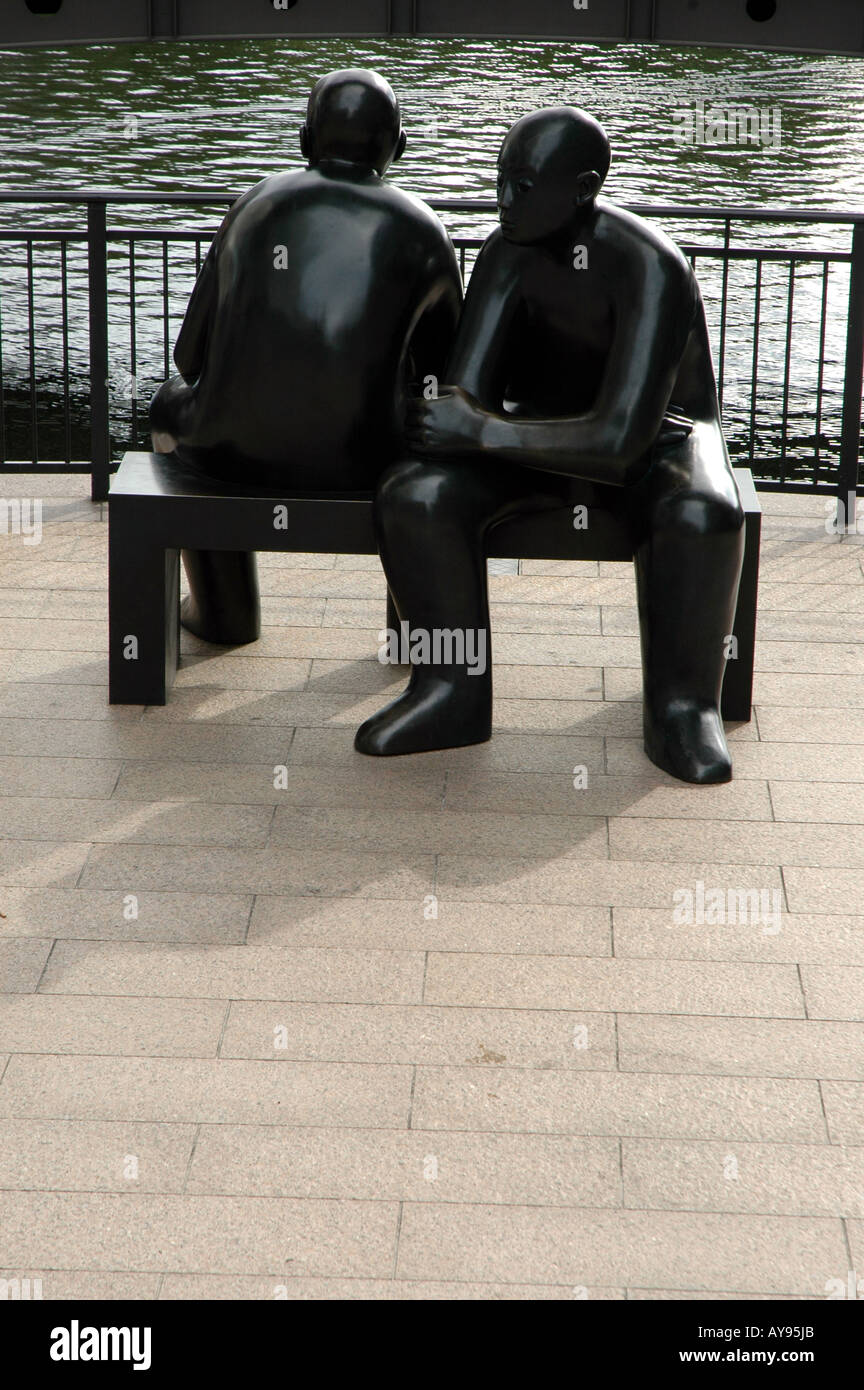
[144, 612]
[392, 615]
[737, 697]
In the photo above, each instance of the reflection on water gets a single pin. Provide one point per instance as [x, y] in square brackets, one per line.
[220, 115]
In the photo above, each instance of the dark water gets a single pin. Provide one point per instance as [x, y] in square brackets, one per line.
[220, 115]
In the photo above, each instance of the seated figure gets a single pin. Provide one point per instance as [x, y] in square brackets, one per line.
[581, 373]
[325, 295]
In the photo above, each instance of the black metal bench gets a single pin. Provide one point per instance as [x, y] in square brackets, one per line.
[155, 510]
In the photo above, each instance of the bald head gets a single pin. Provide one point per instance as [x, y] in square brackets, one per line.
[559, 140]
[552, 163]
[353, 116]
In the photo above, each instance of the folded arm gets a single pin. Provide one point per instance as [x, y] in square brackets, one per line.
[607, 444]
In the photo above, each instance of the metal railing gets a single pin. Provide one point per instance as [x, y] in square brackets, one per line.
[127, 283]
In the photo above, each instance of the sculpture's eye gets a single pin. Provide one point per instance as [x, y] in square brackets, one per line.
[524, 185]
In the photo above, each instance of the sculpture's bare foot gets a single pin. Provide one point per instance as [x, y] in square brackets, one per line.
[430, 714]
[686, 738]
[233, 631]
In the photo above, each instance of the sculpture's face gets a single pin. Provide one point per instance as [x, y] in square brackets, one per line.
[545, 175]
[535, 203]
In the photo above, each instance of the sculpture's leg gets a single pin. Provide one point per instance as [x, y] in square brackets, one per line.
[688, 563]
[392, 613]
[432, 520]
[223, 604]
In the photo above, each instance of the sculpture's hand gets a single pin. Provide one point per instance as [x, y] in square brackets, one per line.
[449, 424]
[675, 427]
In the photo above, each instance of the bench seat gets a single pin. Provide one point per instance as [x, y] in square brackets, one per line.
[155, 509]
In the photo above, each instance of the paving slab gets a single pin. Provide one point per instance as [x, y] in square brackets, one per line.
[278, 1021]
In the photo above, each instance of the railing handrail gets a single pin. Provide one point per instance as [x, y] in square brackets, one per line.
[710, 212]
[98, 235]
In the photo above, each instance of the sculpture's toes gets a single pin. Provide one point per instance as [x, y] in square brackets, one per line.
[434, 714]
[686, 739]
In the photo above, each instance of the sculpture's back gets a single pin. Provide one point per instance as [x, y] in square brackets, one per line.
[324, 293]
[323, 289]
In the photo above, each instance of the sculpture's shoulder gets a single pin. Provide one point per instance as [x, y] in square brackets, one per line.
[497, 248]
[499, 258]
[305, 190]
[274, 191]
[644, 245]
[409, 210]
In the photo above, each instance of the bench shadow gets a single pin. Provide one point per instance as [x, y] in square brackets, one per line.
[459, 796]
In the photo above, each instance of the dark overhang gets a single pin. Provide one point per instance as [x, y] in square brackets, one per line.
[814, 26]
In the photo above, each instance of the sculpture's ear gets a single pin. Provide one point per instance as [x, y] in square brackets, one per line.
[400, 147]
[304, 140]
[588, 185]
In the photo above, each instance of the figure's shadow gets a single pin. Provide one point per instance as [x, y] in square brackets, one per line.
[389, 790]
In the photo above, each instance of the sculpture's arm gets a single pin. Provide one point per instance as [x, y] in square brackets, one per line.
[475, 377]
[432, 336]
[191, 345]
[609, 443]
[478, 361]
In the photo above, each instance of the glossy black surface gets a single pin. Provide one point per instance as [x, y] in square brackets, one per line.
[582, 361]
[325, 294]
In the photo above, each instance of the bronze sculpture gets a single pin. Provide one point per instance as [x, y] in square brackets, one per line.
[581, 371]
[325, 294]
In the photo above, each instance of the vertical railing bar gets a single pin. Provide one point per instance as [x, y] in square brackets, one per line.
[727, 225]
[2, 390]
[64, 294]
[850, 438]
[165, 352]
[820, 379]
[133, 340]
[784, 428]
[755, 367]
[97, 297]
[31, 329]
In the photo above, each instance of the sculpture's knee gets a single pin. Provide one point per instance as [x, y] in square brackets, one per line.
[700, 515]
[415, 493]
